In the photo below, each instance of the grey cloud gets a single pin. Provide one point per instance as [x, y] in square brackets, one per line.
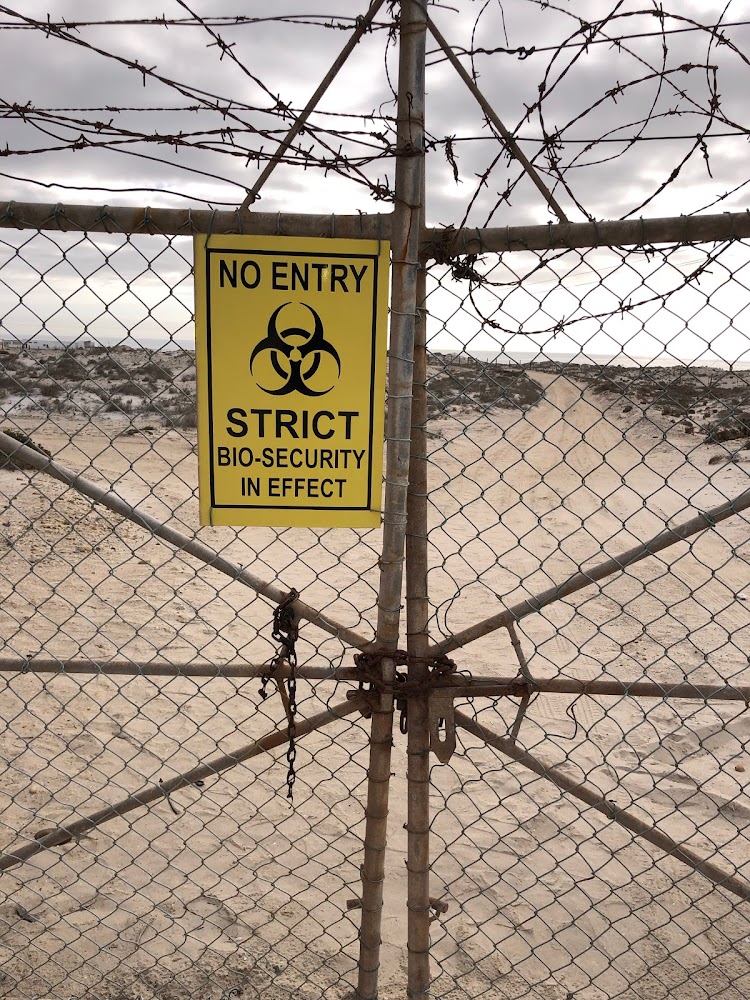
[292, 59]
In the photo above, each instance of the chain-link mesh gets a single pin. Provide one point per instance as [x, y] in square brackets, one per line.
[553, 447]
[221, 884]
[541, 463]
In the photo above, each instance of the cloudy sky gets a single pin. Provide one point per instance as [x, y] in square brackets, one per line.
[628, 108]
[610, 91]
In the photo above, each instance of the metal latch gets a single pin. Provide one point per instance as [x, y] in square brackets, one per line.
[442, 725]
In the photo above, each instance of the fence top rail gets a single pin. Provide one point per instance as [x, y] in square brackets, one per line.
[439, 244]
[188, 221]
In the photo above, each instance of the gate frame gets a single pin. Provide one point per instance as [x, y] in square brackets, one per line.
[431, 687]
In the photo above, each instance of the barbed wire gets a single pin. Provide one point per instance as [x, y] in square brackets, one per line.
[537, 468]
[669, 62]
[337, 22]
[541, 479]
[523, 52]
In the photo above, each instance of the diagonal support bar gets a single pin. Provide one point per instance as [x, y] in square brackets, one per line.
[593, 797]
[12, 449]
[363, 26]
[510, 142]
[584, 578]
[153, 793]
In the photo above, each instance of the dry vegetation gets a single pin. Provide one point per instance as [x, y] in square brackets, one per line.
[160, 387]
[465, 382]
[238, 892]
[709, 402]
[88, 381]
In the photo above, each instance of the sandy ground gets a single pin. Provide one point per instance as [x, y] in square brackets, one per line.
[226, 886]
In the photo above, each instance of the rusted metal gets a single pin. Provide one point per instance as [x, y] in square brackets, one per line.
[586, 577]
[190, 546]
[458, 686]
[165, 668]
[155, 792]
[436, 243]
[407, 222]
[593, 798]
[187, 221]
[442, 725]
[419, 708]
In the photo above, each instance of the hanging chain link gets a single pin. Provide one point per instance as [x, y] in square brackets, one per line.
[286, 632]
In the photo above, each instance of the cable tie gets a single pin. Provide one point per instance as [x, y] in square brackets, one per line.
[210, 231]
[103, 217]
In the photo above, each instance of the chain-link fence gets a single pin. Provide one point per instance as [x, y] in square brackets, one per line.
[586, 574]
[220, 883]
[543, 816]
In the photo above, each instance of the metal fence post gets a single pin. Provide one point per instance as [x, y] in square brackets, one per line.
[417, 615]
[405, 239]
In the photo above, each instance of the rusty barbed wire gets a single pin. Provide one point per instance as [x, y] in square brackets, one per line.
[584, 404]
[668, 61]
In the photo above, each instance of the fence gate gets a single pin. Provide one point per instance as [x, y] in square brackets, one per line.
[495, 748]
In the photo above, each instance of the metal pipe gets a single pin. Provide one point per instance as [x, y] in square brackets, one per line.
[153, 793]
[588, 235]
[436, 243]
[516, 687]
[406, 266]
[363, 24]
[405, 234]
[584, 578]
[459, 686]
[163, 668]
[187, 221]
[417, 640]
[593, 797]
[11, 448]
[489, 111]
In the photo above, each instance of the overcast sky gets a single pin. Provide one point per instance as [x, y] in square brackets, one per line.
[649, 113]
[287, 60]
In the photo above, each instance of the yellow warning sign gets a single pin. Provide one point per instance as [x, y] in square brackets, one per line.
[290, 353]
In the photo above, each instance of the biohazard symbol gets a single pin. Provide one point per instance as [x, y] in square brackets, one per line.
[295, 355]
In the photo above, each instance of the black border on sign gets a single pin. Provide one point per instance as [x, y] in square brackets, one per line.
[209, 373]
[209, 376]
